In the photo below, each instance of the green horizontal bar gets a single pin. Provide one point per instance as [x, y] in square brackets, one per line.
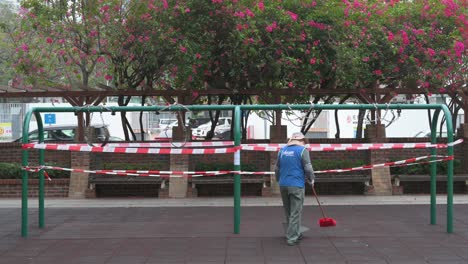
[231, 107]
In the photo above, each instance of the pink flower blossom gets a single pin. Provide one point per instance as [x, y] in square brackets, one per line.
[187, 10]
[104, 9]
[183, 49]
[313, 60]
[146, 17]
[93, 33]
[378, 72]
[24, 47]
[317, 25]
[459, 49]
[365, 59]
[450, 7]
[292, 15]
[249, 13]
[404, 37]
[442, 90]
[239, 14]
[431, 52]
[290, 85]
[390, 36]
[198, 56]
[49, 40]
[108, 77]
[165, 4]
[271, 27]
[239, 27]
[217, 1]
[261, 6]
[101, 59]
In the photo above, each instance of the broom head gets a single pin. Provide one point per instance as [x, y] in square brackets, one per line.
[327, 221]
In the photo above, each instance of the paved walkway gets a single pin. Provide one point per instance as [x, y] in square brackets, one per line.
[133, 231]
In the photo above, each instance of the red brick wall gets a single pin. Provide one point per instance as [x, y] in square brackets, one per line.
[55, 188]
[12, 152]
[159, 161]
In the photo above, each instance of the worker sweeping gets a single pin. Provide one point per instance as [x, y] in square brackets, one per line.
[293, 170]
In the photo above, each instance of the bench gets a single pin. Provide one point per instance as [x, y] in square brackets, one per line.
[124, 180]
[343, 178]
[107, 186]
[426, 177]
[225, 179]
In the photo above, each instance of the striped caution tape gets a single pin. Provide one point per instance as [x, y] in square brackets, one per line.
[167, 144]
[139, 149]
[406, 162]
[87, 148]
[341, 147]
[168, 174]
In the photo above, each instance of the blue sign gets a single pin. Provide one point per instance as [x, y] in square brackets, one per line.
[49, 119]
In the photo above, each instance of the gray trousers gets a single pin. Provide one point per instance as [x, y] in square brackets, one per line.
[293, 200]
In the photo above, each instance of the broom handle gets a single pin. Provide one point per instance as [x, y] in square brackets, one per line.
[318, 202]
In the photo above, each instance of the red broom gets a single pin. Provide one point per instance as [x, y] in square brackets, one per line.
[325, 221]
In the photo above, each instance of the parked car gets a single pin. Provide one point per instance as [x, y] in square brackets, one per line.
[165, 122]
[67, 133]
[223, 124]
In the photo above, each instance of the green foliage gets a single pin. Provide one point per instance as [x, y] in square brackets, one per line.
[242, 45]
[10, 171]
[13, 171]
[223, 166]
[324, 164]
[422, 169]
[131, 166]
[7, 26]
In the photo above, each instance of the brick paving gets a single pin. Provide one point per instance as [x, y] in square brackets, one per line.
[150, 235]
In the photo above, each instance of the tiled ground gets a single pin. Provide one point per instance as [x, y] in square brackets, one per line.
[364, 234]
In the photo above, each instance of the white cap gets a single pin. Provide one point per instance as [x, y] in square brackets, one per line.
[296, 138]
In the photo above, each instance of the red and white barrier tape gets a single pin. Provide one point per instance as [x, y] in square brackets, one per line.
[87, 148]
[37, 169]
[139, 149]
[406, 162]
[167, 174]
[168, 144]
[340, 147]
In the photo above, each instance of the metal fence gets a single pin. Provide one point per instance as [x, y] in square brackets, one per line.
[11, 118]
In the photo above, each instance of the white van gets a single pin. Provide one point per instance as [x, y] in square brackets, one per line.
[223, 124]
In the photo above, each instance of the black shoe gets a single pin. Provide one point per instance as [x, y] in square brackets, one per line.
[300, 237]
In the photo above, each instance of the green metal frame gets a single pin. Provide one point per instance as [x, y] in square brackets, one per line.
[237, 140]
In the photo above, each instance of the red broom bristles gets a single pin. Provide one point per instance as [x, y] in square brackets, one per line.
[325, 221]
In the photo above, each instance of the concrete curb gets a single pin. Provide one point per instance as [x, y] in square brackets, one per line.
[229, 202]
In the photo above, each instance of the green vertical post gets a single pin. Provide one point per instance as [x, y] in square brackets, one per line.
[24, 176]
[450, 152]
[41, 194]
[24, 194]
[237, 167]
[433, 168]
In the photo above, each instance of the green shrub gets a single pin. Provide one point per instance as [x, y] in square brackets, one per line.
[130, 166]
[421, 169]
[13, 171]
[324, 164]
[223, 166]
[10, 171]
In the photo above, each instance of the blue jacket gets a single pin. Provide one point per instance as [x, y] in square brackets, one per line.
[291, 168]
